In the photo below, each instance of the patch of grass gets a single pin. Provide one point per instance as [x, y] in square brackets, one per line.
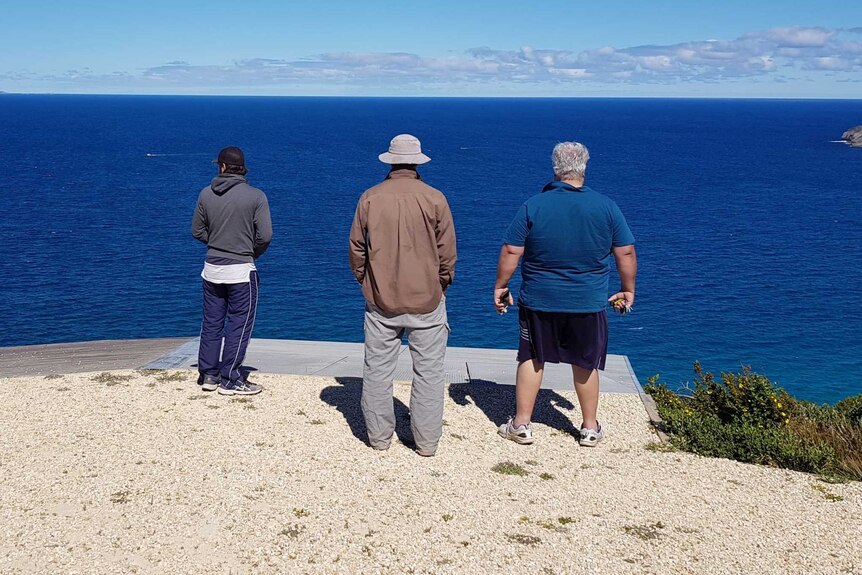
[745, 417]
[565, 520]
[111, 378]
[143, 371]
[316, 422]
[546, 476]
[645, 532]
[524, 539]
[120, 497]
[197, 397]
[660, 447]
[249, 406]
[300, 512]
[523, 519]
[509, 468]
[53, 376]
[447, 517]
[212, 406]
[551, 526]
[618, 450]
[167, 376]
[828, 495]
[241, 400]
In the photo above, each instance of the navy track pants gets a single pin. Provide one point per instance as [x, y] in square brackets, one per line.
[229, 313]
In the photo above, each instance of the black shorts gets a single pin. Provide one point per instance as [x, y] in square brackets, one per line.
[576, 338]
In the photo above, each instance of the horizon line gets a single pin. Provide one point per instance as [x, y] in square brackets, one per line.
[436, 97]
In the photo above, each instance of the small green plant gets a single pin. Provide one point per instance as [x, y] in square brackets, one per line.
[660, 447]
[167, 377]
[316, 422]
[645, 532]
[120, 497]
[546, 476]
[565, 520]
[509, 468]
[523, 539]
[300, 512]
[111, 379]
[447, 517]
[292, 531]
[828, 495]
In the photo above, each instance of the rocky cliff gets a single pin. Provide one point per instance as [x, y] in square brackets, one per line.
[853, 136]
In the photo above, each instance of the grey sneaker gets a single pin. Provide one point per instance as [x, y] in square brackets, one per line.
[590, 437]
[522, 434]
[209, 382]
[239, 388]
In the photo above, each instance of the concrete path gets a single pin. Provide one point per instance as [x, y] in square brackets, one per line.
[83, 356]
[325, 358]
[337, 359]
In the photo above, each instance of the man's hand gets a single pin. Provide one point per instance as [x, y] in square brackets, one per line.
[502, 300]
[622, 301]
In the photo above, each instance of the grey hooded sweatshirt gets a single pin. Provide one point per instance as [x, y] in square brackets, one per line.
[232, 219]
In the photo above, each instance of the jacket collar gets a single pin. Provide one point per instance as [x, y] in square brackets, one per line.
[403, 174]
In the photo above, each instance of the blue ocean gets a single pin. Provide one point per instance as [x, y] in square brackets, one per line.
[746, 214]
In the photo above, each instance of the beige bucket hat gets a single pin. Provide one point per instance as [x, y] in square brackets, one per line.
[404, 149]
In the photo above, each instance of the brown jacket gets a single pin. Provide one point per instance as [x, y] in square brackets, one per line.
[402, 244]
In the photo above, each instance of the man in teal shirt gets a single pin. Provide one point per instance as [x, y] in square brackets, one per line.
[566, 236]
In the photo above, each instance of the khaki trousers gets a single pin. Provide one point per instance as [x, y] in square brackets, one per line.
[427, 335]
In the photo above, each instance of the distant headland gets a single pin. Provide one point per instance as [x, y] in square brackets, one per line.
[853, 136]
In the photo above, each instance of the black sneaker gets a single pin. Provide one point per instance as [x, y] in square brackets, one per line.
[239, 388]
[209, 382]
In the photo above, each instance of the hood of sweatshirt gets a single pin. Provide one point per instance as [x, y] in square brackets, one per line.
[224, 182]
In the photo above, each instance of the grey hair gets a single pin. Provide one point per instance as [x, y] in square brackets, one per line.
[570, 160]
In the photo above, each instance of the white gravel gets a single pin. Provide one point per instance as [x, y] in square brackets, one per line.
[154, 476]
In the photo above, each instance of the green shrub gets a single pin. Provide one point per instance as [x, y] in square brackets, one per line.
[744, 417]
[851, 408]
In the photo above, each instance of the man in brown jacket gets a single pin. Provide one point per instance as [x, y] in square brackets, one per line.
[402, 251]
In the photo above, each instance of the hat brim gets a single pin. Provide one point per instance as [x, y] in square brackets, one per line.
[415, 159]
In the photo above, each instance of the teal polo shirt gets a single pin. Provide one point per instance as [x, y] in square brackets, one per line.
[567, 234]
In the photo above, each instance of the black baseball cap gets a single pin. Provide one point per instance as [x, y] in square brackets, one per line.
[231, 156]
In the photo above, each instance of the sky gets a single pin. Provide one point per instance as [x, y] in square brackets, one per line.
[502, 48]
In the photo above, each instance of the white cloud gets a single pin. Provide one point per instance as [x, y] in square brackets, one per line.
[757, 54]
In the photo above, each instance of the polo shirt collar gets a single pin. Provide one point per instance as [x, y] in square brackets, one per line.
[563, 187]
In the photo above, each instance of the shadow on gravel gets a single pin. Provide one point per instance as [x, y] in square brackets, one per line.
[345, 397]
[497, 402]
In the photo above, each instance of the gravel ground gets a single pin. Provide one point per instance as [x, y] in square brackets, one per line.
[143, 473]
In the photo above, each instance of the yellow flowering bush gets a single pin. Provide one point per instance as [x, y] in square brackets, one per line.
[743, 416]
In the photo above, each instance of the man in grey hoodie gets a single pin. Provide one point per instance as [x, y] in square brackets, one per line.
[232, 219]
